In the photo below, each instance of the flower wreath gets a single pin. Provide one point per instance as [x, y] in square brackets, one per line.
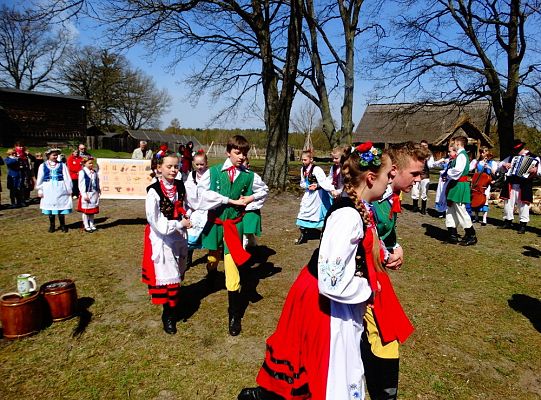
[368, 155]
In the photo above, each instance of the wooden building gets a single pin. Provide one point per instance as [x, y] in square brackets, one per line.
[386, 124]
[39, 119]
[128, 140]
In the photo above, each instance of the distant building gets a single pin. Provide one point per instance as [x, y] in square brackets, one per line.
[38, 118]
[128, 140]
[386, 124]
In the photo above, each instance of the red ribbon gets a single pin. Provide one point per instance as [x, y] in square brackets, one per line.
[179, 210]
[391, 319]
[231, 172]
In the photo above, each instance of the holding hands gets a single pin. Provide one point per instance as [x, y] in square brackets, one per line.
[243, 201]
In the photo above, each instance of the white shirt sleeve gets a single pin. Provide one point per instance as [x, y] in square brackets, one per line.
[473, 164]
[208, 199]
[303, 181]
[336, 263]
[81, 182]
[456, 172]
[156, 219]
[322, 180]
[67, 178]
[430, 162]
[260, 193]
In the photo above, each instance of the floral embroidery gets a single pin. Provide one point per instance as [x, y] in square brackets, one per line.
[355, 391]
[331, 272]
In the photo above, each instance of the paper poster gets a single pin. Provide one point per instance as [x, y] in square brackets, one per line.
[124, 178]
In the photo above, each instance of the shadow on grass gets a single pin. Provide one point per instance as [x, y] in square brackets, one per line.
[251, 273]
[123, 221]
[435, 232]
[528, 306]
[84, 315]
[530, 251]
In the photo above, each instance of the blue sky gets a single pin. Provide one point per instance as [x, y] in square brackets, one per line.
[87, 33]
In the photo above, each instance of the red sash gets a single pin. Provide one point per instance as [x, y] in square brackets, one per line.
[232, 240]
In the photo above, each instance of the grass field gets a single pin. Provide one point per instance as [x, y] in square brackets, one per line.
[476, 311]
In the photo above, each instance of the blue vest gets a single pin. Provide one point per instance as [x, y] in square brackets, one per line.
[88, 183]
[52, 174]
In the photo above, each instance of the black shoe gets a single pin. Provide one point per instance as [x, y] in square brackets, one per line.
[64, 228]
[169, 324]
[235, 326]
[469, 240]
[302, 238]
[522, 228]
[423, 207]
[483, 224]
[51, 229]
[257, 393]
[507, 224]
[415, 206]
[453, 236]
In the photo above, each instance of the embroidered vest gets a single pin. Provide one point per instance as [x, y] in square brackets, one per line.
[52, 174]
[89, 185]
[241, 186]
[167, 207]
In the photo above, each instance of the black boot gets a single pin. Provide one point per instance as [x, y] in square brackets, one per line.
[235, 313]
[62, 221]
[522, 228]
[303, 236]
[258, 393]
[469, 238]
[189, 259]
[415, 205]
[168, 319]
[423, 207]
[51, 224]
[507, 224]
[453, 236]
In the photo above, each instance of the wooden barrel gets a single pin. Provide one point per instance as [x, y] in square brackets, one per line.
[61, 298]
[21, 316]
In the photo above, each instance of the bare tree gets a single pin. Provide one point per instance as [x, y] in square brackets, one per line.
[246, 47]
[140, 104]
[465, 50]
[30, 48]
[305, 119]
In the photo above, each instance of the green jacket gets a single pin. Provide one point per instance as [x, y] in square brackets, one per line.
[213, 234]
[385, 224]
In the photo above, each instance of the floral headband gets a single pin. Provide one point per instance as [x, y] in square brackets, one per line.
[368, 155]
[85, 159]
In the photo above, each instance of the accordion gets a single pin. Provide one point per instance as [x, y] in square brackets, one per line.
[520, 165]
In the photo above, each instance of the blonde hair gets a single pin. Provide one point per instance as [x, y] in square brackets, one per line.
[354, 175]
[402, 153]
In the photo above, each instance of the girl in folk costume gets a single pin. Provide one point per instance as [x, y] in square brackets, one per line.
[252, 218]
[484, 170]
[440, 201]
[335, 177]
[54, 188]
[315, 351]
[89, 193]
[316, 201]
[198, 218]
[165, 247]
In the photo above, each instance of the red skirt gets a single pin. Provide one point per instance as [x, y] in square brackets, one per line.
[91, 211]
[297, 356]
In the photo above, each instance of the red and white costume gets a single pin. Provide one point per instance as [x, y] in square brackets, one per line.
[315, 350]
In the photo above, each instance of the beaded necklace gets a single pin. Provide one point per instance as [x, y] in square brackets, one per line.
[169, 192]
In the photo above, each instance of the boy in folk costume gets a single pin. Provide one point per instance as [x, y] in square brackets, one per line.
[316, 201]
[165, 247]
[420, 189]
[518, 189]
[89, 193]
[458, 195]
[381, 358]
[228, 191]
